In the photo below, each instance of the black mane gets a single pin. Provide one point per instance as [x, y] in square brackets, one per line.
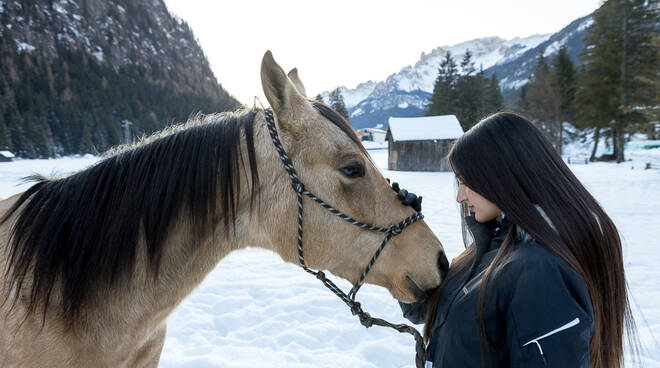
[82, 230]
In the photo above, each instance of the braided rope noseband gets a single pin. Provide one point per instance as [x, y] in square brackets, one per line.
[390, 231]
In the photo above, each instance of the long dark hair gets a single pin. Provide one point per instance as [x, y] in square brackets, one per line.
[508, 161]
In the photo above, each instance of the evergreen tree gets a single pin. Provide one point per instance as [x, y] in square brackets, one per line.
[564, 80]
[319, 98]
[470, 93]
[336, 101]
[619, 49]
[443, 100]
[548, 96]
[5, 140]
[493, 102]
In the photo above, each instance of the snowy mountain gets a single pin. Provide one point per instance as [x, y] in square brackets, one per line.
[406, 92]
[513, 73]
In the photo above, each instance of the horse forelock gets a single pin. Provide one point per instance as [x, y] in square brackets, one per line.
[340, 122]
[83, 230]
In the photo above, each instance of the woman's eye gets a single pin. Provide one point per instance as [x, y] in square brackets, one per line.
[352, 171]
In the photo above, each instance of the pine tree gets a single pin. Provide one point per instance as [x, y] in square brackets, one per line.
[564, 79]
[336, 101]
[5, 140]
[319, 98]
[443, 100]
[470, 93]
[619, 49]
[493, 102]
[543, 100]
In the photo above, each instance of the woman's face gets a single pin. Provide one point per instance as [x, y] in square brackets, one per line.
[483, 209]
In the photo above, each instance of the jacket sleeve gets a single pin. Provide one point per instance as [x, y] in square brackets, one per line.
[548, 315]
[414, 312]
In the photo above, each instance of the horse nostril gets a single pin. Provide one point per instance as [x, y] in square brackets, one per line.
[443, 264]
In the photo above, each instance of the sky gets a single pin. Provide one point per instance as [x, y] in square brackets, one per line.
[343, 43]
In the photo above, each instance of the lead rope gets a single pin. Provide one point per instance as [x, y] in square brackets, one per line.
[365, 318]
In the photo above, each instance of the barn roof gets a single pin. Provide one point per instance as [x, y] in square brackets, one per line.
[425, 128]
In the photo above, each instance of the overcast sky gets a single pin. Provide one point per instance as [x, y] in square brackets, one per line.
[342, 42]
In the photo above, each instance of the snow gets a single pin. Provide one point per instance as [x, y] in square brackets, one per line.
[58, 8]
[587, 23]
[98, 54]
[554, 47]
[515, 84]
[254, 310]
[423, 128]
[7, 154]
[354, 96]
[24, 47]
[357, 112]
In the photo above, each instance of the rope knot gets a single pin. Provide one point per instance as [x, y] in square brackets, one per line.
[356, 309]
[394, 229]
[366, 320]
[298, 187]
[320, 275]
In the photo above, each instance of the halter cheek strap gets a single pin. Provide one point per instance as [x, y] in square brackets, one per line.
[390, 231]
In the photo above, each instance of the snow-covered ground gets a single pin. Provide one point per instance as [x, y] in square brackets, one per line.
[254, 310]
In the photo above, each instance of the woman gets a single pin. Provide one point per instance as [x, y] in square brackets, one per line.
[543, 284]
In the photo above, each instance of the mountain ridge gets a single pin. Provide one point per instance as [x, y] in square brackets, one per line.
[406, 92]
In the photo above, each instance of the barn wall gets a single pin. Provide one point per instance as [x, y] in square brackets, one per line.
[420, 155]
[392, 153]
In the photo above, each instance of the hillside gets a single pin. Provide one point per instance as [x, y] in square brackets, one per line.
[71, 71]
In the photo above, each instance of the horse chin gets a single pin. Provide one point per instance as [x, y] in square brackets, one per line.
[415, 291]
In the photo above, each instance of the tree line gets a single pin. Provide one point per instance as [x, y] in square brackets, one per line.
[614, 92]
[468, 94]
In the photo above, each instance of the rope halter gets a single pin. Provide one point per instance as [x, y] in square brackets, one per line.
[390, 231]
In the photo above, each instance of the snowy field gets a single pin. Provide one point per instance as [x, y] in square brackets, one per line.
[254, 310]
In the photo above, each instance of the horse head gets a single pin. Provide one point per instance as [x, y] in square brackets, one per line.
[333, 164]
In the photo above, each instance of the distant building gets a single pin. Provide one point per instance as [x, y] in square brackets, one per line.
[371, 134]
[421, 144]
[6, 156]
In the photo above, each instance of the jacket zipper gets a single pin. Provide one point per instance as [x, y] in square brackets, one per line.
[570, 324]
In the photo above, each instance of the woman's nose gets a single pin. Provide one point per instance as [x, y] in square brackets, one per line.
[460, 196]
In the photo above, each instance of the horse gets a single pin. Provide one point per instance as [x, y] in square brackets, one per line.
[96, 261]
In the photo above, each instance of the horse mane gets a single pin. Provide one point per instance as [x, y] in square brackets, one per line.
[83, 230]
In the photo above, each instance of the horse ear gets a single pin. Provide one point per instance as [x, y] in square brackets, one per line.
[293, 75]
[278, 88]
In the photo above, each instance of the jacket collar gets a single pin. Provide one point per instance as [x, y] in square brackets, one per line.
[498, 229]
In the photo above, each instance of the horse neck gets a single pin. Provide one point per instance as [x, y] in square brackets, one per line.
[182, 266]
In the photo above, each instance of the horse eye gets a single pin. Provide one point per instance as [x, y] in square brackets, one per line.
[352, 171]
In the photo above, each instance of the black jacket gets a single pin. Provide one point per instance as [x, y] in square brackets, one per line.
[537, 312]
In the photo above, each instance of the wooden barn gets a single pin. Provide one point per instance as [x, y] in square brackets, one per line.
[6, 156]
[421, 144]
